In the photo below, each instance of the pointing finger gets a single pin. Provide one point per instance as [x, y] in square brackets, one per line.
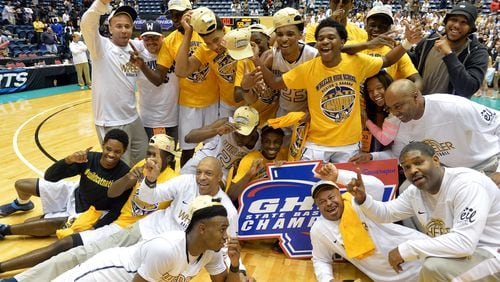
[133, 47]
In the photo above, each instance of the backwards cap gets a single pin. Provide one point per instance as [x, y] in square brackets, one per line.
[203, 20]
[286, 16]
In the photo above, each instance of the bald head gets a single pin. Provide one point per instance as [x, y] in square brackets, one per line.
[404, 100]
[211, 162]
[401, 87]
[208, 176]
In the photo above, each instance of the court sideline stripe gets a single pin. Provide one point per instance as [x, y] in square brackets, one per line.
[37, 131]
[16, 136]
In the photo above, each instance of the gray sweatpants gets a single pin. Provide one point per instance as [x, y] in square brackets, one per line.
[57, 265]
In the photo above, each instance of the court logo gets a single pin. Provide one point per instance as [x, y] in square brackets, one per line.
[13, 80]
[282, 207]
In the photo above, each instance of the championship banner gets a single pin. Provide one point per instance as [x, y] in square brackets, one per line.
[282, 207]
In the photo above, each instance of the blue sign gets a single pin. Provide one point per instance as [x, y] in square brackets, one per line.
[282, 207]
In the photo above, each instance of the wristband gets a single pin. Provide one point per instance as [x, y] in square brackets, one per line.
[406, 44]
[149, 184]
[234, 269]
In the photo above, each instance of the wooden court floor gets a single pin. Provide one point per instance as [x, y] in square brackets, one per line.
[35, 132]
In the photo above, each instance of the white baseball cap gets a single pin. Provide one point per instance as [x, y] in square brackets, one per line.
[163, 142]
[237, 43]
[203, 20]
[246, 119]
[287, 16]
[179, 5]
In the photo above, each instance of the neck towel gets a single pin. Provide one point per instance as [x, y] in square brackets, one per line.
[357, 241]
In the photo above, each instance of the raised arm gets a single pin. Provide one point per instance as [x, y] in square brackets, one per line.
[413, 35]
[90, 26]
[185, 64]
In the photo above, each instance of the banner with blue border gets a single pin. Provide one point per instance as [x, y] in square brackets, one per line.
[281, 206]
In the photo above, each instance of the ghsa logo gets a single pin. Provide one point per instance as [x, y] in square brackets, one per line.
[282, 207]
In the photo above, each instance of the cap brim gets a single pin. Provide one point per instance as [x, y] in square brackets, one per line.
[322, 186]
[245, 129]
[127, 10]
[247, 52]
[178, 8]
[391, 20]
[151, 33]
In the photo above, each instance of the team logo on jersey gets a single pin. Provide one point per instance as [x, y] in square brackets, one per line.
[436, 227]
[441, 148]
[339, 96]
[226, 67]
[201, 74]
[338, 102]
[140, 207]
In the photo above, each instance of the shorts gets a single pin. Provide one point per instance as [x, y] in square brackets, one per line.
[193, 118]
[58, 198]
[329, 154]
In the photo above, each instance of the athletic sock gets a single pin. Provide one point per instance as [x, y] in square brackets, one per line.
[22, 202]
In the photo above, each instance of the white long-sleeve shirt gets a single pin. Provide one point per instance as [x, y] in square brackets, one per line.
[113, 77]
[463, 133]
[463, 215]
[327, 240]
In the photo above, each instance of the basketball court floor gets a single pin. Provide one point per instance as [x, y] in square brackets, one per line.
[39, 127]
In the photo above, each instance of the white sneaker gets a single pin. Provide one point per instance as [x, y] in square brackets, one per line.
[82, 87]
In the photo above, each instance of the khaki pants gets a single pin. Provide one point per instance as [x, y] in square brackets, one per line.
[83, 69]
[480, 266]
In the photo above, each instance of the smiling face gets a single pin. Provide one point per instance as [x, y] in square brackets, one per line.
[425, 172]
[214, 41]
[121, 28]
[208, 176]
[152, 43]
[330, 204]
[111, 153]
[377, 25]
[457, 28]
[271, 145]
[376, 91]
[288, 38]
[329, 44]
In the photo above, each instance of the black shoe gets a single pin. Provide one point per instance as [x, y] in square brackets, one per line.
[3, 227]
[276, 248]
[14, 206]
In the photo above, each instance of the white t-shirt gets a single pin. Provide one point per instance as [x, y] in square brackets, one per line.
[163, 258]
[158, 105]
[182, 190]
[465, 213]
[463, 133]
[113, 77]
